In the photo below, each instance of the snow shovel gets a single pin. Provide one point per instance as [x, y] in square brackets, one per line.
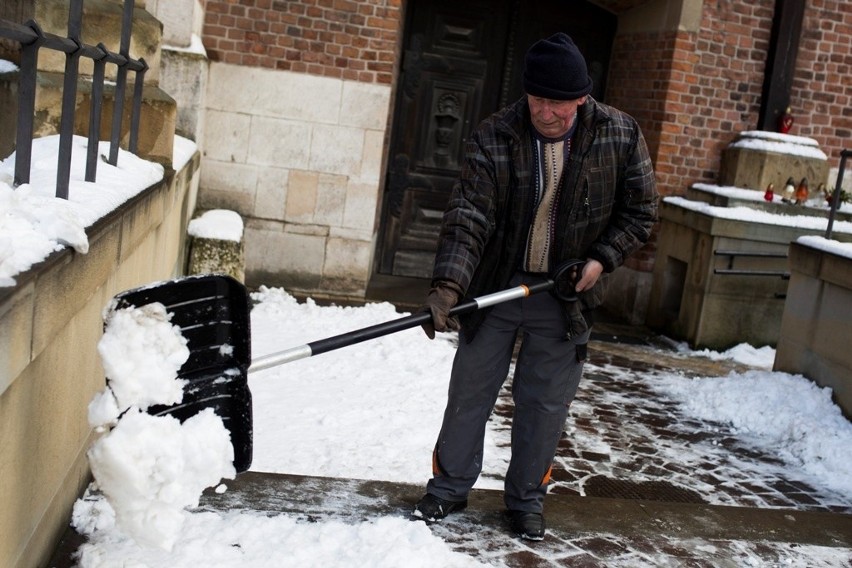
[212, 312]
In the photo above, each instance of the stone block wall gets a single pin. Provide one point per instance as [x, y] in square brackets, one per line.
[300, 154]
[299, 157]
[814, 337]
[690, 301]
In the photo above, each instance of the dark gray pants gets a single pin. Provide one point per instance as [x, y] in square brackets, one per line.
[547, 374]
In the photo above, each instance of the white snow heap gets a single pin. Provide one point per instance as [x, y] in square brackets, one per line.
[150, 468]
[153, 467]
[779, 143]
[34, 223]
[141, 353]
[218, 224]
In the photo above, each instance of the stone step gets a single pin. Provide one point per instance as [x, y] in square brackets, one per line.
[101, 24]
[156, 124]
[589, 524]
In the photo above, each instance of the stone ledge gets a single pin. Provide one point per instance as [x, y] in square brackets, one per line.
[814, 336]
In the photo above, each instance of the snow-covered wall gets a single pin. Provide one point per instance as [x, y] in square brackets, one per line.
[50, 324]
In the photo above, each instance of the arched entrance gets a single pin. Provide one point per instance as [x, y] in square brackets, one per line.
[461, 61]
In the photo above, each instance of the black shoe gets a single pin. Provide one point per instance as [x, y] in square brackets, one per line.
[527, 525]
[431, 508]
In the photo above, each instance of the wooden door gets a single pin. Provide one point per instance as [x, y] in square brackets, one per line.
[462, 60]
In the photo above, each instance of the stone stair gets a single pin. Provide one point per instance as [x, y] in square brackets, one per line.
[101, 24]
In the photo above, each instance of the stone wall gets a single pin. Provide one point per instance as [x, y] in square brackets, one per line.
[695, 300]
[814, 338]
[50, 324]
[300, 154]
[299, 157]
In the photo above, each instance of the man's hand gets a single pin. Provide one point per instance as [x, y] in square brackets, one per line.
[592, 270]
[442, 297]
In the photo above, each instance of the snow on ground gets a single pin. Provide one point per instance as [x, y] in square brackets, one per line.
[372, 411]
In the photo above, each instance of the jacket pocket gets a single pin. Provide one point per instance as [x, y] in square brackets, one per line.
[598, 193]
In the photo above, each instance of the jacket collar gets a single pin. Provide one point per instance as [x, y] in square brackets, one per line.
[514, 121]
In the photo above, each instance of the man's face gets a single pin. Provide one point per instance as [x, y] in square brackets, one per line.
[553, 118]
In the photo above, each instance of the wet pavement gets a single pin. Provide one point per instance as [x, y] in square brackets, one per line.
[636, 483]
[652, 451]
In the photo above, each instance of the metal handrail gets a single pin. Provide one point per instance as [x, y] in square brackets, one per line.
[32, 38]
[733, 254]
[835, 197]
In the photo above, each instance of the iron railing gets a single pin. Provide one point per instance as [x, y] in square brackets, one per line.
[31, 38]
[838, 189]
[734, 254]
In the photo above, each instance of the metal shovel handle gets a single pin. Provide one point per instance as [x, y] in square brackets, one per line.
[562, 282]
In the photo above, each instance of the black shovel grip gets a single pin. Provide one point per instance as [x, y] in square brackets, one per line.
[414, 320]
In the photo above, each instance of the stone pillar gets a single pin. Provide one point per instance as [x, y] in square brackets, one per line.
[217, 244]
[757, 158]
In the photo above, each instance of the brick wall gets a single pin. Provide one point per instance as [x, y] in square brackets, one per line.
[693, 92]
[696, 90]
[344, 39]
[822, 86]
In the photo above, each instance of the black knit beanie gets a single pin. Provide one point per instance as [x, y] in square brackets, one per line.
[555, 69]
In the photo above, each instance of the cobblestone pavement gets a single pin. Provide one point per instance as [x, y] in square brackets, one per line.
[626, 441]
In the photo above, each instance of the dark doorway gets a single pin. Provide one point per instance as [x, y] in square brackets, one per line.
[462, 60]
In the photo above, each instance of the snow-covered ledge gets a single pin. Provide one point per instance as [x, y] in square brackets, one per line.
[694, 295]
[816, 324]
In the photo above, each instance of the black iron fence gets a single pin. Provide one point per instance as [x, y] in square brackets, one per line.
[31, 38]
[838, 190]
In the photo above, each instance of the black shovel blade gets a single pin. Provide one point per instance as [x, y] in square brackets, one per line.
[212, 312]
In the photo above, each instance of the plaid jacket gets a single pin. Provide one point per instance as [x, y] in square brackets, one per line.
[606, 209]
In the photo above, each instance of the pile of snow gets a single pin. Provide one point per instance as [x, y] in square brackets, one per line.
[254, 540]
[758, 357]
[220, 224]
[788, 416]
[150, 468]
[779, 143]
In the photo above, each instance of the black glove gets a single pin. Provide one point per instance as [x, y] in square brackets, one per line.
[442, 297]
